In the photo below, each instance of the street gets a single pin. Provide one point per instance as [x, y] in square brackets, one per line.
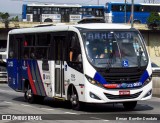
[12, 102]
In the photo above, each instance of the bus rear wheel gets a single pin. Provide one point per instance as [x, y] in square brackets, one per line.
[129, 105]
[28, 96]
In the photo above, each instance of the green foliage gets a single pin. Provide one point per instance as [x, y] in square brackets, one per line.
[154, 16]
[15, 19]
[5, 18]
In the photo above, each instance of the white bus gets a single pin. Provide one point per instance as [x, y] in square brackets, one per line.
[84, 63]
[60, 13]
[3, 55]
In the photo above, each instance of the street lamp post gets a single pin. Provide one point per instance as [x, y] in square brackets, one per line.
[125, 16]
[132, 13]
[98, 2]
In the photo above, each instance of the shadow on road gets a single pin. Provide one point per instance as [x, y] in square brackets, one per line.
[91, 108]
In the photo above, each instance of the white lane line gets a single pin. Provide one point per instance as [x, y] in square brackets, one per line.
[70, 113]
[26, 105]
[8, 102]
[8, 91]
[47, 109]
[98, 118]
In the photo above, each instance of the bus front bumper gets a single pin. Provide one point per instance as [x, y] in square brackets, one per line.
[95, 94]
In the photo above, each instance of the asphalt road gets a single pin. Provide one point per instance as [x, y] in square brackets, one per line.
[12, 104]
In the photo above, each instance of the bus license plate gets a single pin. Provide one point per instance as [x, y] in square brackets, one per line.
[124, 92]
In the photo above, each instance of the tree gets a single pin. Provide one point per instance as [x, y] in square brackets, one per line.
[153, 20]
[154, 16]
[5, 18]
[15, 19]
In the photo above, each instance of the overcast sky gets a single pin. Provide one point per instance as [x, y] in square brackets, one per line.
[15, 6]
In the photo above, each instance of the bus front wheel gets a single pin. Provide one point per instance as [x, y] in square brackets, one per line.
[73, 97]
[129, 105]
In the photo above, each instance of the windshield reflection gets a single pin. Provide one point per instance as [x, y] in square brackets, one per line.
[115, 49]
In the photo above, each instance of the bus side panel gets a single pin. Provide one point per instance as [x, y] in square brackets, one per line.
[118, 17]
[12, 70]
[141, 16]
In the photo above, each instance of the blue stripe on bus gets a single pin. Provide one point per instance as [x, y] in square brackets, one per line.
[39, 78]
[99, 78]
[144, 77]
[24, 11]
[35, 77]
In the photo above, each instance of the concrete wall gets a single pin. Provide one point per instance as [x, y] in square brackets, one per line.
[152, 39]
[153, 45]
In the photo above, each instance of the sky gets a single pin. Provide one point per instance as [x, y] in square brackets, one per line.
[15, 6]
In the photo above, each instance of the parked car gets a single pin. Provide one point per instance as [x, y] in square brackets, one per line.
[92, 20]
[155, 69]
[154, 25]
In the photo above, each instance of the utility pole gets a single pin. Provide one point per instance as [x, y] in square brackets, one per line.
[125, 15]
[98, 2]
[132, 13]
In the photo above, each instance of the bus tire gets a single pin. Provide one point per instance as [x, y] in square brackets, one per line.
[29, 96]
[39, 99]
[73, 97]
[136, 22]
[129, 105]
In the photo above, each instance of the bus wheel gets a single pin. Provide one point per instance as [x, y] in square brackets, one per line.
[28, 95]
[129, 105]
[39, 99]
[137, 22]
[76, 105]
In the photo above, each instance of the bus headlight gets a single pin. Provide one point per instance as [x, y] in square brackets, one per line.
[147, 81]
[94, 82]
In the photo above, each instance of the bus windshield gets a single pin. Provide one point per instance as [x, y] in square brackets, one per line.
[115, 49]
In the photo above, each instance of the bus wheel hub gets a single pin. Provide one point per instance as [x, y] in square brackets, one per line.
[74, 99]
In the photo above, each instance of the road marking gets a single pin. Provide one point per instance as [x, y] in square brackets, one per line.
[6, 91]
[26, 105]
[47, 109]
[8, 102]
[98, 118]
[70, 113]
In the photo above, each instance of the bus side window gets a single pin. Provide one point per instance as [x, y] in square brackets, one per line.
[12, 47]
[75, 50]
[75, 57]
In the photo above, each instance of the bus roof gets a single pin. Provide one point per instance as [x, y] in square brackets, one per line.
[103, 26]
[67, 27]
[65, 5]
[54, 5]
[145, 4]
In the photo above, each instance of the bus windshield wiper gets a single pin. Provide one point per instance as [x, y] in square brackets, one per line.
[109, 62]
[139, 57]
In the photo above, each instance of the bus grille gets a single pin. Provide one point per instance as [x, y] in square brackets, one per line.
[118, 76]
[132, 96]
[123, 77]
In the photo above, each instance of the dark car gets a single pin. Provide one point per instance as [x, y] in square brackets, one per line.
[91, 20]
[154, 25]
[155, 69]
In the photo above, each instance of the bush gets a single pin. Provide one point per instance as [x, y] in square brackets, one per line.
[154, 16]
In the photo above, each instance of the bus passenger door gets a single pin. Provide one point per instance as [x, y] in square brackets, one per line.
[59, 66]
[14, 63]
